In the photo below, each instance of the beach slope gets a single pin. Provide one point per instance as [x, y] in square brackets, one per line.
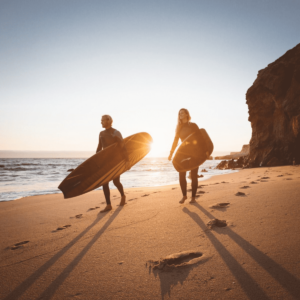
[156, 248]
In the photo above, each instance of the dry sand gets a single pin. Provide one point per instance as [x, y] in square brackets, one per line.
[131, 252]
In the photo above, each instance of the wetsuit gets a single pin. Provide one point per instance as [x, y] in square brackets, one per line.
[184, 131]
[108, 137]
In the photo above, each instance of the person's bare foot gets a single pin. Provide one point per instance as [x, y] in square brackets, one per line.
[193, 200]
[107, 208]
[123, 201]
[183, 199]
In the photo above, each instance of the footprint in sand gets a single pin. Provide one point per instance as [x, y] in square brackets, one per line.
[245, 187]
[220, 205]
[132, 199]
[240, 194]
[93, 208]
[63, 227]
[217, 223]
[174, 188]
[201, 192]
[78, 216]
[265, 178]
[280, 175]
[224, 182]
[253, 182]
[145, 195]
[18, 245]
[176, 260]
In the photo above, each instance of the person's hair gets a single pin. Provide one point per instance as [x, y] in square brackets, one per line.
[179, 121]
[109, 118]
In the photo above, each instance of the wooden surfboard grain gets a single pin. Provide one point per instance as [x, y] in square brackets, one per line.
[193, 151]
[105, 165]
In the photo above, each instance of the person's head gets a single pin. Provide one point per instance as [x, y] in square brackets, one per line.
[183, 117]
[106, 121]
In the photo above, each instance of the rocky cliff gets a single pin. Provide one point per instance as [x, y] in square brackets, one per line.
[274, 112]
[245, 150]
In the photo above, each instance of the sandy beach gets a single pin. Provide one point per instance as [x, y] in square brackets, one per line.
[156, 248]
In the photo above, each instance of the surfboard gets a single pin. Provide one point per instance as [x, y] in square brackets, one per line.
[105, 165]
[193, 151]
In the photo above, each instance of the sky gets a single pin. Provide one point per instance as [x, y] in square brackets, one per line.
[65, 63]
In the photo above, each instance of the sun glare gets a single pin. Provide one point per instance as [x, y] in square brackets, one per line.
[155, 149]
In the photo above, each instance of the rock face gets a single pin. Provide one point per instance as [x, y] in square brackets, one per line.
[245, 150]
[274, 112]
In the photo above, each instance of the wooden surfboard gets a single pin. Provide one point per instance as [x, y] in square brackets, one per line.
[105, 165]
[193, 151]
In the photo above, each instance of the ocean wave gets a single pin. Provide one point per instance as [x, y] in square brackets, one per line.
[20, 169]
[25, 177]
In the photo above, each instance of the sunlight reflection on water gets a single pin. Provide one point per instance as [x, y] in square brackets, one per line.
[27, 177]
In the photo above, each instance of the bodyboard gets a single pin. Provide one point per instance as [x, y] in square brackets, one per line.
[193, 151]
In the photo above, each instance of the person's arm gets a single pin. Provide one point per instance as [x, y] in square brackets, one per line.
[174, 145]
[100, 146]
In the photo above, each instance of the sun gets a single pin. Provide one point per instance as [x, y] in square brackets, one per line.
[155, 149]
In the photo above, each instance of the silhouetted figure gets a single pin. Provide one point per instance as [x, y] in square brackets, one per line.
[183, 130]
[108, 137]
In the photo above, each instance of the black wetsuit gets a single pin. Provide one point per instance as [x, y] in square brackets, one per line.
[108, 137]
[184, 131]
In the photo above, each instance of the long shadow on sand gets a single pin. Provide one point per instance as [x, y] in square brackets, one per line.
[281, 275]
[56, 283]
[250, 287]
[25, 285]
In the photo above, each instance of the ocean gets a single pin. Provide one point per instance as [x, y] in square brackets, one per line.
[23, 177]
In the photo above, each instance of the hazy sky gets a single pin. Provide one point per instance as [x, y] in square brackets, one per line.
[65, 63]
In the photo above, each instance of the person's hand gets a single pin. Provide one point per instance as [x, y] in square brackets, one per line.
[170, 157]
[127, 165]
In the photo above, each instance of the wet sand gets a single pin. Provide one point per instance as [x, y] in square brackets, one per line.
[241, 240]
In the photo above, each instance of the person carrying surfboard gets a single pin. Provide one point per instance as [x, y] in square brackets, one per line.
[108, 137]
[183, 130]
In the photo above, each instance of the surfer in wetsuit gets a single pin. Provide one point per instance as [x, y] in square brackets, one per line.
[108, 137]
[183, 130]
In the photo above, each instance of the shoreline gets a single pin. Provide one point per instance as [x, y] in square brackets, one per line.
[26, 178]
[114, 188]
[48, 252]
